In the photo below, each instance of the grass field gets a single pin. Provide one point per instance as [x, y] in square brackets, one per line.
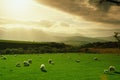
[65, 67]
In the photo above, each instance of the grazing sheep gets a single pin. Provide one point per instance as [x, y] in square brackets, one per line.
[51, 61]
[30, 61]
[26, 63]
[112, 68]
[4, 58]
[95, 58]
[18, 65]
[106, 71]
[42, 68]
[77, 61]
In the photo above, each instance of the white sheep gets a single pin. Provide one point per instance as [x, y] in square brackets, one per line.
[95, 58]
[30, 61]
[18, 65]
[112, 68]
[42, 68]
[51, 61]
[26, 63]
[4, 58]
[106, 71]
[77, 61]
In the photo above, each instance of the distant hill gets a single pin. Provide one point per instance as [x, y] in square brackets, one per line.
[109, 38]
[78, 40]
[71, 40]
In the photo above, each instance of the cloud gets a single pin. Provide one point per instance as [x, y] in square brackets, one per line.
[46, 23]
[44, 30]
[91, 10]
[2, 31]
[41, 23]
[27, 35]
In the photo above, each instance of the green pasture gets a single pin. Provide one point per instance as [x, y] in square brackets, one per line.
[65, 67]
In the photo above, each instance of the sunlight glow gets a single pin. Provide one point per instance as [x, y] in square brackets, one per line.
[16, 8]
[18, 26]
[18, 4]
[28, 10]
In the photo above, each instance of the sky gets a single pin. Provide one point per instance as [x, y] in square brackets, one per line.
[43, 20]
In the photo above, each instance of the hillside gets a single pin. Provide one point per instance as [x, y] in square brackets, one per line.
[22, 47]
[78, 40]
[71, 40]
[109, 38]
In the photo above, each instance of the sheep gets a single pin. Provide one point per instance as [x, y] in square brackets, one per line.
[4, 58]
[26, 63]
[106, 71]
[51, 61]
[18, 65]
[95, 58]
[42, 68]
[77, 61]
[112, 68]
[30, 61]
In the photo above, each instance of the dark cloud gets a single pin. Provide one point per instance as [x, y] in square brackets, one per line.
[92, 10]
[102, 5]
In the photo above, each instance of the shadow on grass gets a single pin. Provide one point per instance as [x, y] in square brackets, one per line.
[113, 73]
[117, 72]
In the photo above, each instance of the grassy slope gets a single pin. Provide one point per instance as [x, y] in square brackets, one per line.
[65, 67]
[77, 40]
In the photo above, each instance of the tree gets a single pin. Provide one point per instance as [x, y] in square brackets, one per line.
[117, 38]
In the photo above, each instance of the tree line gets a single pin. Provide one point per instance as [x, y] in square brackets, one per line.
[29, 48]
